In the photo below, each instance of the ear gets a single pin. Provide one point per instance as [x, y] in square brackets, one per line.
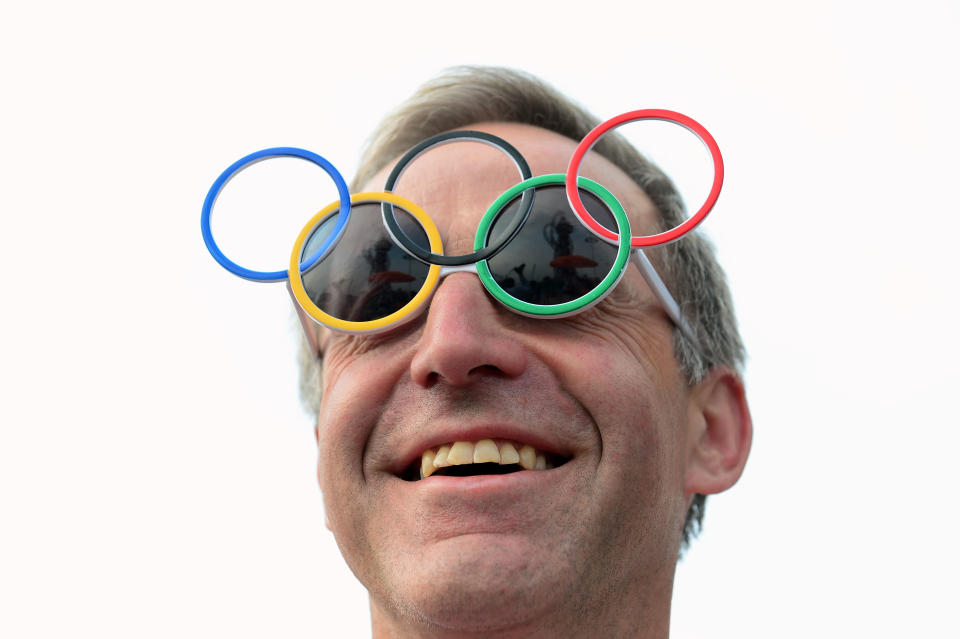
[316, 435]
[719, 433]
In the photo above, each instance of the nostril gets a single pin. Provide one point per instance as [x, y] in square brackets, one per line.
[488, 369]
[474, 373]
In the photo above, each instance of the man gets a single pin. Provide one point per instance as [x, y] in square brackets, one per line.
[639, 424]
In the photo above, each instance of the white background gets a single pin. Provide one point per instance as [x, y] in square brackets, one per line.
[156, 469]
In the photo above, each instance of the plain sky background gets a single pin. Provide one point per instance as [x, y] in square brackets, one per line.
[156, 468]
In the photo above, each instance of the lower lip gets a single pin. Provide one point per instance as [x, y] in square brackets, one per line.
[480, 485]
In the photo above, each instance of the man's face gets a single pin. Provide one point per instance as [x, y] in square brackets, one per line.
[600, 393]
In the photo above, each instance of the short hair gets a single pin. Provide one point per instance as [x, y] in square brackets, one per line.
[466, 95]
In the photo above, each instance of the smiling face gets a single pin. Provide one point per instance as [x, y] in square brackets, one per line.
[598, 395]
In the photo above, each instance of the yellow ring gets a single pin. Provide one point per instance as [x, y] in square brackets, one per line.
[398, 316]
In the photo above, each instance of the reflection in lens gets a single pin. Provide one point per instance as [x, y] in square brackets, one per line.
[554, 259]
[366, 276]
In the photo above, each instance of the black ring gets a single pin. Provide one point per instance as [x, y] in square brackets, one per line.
[405, 243]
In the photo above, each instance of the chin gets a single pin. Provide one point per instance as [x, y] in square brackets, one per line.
[475, 584]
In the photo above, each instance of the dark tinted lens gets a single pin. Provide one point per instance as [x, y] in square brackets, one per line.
[554, 259]
[366, 276]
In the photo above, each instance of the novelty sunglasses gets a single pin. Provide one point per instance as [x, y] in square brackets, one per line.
[550, 246]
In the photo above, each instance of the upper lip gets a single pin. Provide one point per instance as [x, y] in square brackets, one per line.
[439, 434]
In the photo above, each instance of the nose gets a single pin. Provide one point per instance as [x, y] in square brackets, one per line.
[464, 338]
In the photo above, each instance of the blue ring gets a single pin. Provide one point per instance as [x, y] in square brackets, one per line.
[244, 162]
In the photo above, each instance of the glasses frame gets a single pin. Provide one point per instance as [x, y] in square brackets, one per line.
[419, 302]
[246, 162]
[430, 257]
[440, 265]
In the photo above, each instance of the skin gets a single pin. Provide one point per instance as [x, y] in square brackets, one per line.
[585, 548]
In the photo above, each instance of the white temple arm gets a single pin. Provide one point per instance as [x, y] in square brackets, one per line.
[663, 295]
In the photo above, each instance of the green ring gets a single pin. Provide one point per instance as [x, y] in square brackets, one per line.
[616, 271]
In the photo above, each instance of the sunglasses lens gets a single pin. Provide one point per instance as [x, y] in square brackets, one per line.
[367, 276]
[554, 259]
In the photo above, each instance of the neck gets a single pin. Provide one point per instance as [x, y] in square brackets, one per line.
[638, 613]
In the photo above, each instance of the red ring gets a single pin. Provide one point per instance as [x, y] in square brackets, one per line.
[591, 138]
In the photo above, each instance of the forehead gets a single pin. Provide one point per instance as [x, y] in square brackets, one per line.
[456, 182]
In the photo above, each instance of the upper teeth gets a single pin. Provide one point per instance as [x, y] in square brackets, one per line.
[480, 452]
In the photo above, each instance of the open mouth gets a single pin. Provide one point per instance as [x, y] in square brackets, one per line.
[482, 457]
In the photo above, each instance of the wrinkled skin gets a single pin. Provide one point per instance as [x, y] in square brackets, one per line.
[587, 546]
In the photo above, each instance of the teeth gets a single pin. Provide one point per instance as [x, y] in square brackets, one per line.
[460, 453]
[485, 451]
[426, 464]
[508, 454]
[441, 459]
[528, 457]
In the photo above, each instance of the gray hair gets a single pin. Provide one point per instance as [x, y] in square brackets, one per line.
[466, 95]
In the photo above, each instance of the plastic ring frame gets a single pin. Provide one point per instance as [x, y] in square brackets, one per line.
[246, 161]
[586, 300]
[639, 241]
[432, 257]
[404, 314]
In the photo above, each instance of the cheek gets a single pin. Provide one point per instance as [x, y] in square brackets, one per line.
[355, 390]
[340, 472]
[641, 475]
[638, 405]
[582, 366]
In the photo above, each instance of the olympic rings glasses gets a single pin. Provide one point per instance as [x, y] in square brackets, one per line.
[552, 267]
[544, 248]
[249, 160]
